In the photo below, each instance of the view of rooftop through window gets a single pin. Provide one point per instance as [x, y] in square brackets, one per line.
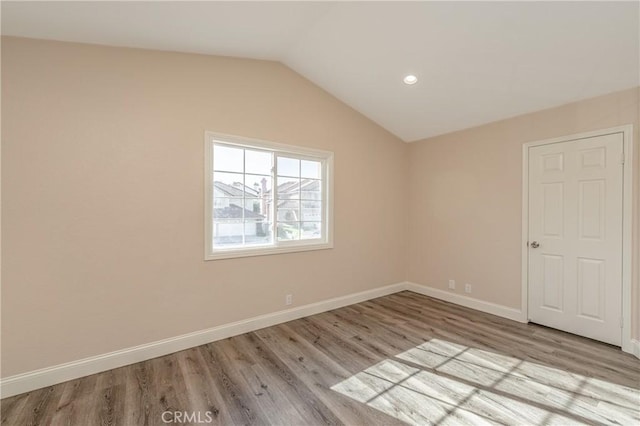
[244, 197]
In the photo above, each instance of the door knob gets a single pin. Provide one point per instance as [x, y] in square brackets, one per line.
[535, 244]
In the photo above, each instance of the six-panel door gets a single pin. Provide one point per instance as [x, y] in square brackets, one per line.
[575, 217]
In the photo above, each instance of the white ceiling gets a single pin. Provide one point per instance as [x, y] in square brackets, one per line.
[476, 62]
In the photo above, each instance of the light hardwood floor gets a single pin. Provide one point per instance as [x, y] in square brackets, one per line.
[403, 358]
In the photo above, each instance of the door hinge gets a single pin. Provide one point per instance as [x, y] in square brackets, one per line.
[621, 322]
[622, 158]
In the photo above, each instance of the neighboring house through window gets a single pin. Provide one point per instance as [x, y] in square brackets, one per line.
[265, 198]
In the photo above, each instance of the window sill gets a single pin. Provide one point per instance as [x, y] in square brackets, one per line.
[265, 251]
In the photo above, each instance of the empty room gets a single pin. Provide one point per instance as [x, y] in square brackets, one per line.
[309, 213]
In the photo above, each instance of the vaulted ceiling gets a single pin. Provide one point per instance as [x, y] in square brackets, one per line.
[476, 62]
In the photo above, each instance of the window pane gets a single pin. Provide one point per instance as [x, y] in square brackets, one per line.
[227, 233]
[311, 211]
[289, 210]
[288, 167]
[310, 230]
[227, 208]
[311, 189]
[311, 169]
[228, 184]
[288, 231]
[257, 232]
[311, 195]
[255, 208]
[258, 162]
[228, 159]
[288, 187]
[257, 185]
[253, 187]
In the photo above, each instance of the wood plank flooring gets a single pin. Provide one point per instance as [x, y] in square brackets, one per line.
[399, 359]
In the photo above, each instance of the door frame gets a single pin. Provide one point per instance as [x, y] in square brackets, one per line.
[627, 219]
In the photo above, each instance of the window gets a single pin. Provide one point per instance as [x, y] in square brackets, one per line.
[265, 198]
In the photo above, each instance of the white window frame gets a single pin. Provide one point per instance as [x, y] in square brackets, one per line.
[324, 157]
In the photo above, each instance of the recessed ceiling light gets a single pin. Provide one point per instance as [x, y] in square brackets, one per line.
[410, 79]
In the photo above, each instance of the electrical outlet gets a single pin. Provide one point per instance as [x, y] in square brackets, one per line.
[452, 284]
[467, 288]
[288, 299]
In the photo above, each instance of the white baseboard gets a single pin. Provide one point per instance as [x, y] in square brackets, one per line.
[469, 302]
[634, 348]
[37, 379]
[631, 346]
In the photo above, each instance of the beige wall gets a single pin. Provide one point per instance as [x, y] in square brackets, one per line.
[102, 184]
[466, 197]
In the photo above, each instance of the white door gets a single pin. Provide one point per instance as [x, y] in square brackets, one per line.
[575, 236]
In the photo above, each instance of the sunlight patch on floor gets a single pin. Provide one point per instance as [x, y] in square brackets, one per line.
[446, 383]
